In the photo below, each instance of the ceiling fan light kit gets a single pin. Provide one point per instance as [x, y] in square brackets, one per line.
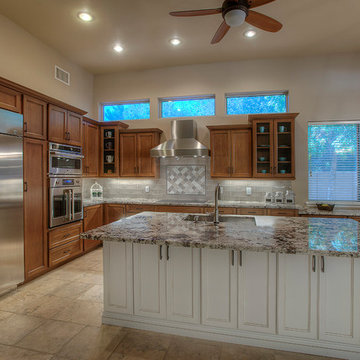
[235, 13]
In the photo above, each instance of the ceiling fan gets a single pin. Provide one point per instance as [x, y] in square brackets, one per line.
[235, 13]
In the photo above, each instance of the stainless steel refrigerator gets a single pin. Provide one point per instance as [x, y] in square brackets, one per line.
[11, 201]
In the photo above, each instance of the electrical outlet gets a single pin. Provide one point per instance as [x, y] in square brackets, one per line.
[147, 189]
[248, 190]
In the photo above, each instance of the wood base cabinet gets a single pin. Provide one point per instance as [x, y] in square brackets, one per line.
[65, 243]
[35, 207]
[113, 212]
[93, 218]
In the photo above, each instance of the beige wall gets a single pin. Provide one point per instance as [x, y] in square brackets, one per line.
[29, 62]
[321, 88]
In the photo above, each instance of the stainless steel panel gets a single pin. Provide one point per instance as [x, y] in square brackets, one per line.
[11, 210]
[11, 123]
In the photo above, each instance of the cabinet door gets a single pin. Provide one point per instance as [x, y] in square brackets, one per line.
[218, 288]
[257, 291]
[93, 218]
[113, 212]
[149, 281]
[74, 129]
[35, 207]
[35, 118]
[183, 284]
[263, 145]
[10, 99]
[339, 302]
[297, 296]
[284, 148]
[128, 155]
[91, 150]
[220, 153]
[118, 277]
[241, 153]
[57, 124]
[146, 165]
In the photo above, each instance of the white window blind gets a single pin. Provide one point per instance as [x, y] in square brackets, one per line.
[333, 150]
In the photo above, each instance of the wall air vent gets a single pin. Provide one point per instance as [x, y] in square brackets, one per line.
[62, 75]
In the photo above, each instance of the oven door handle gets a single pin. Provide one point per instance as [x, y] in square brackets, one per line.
[63, 154]
[68, 203]
[72, 204]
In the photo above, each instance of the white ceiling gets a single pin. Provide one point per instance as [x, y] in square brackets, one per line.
[144, 28]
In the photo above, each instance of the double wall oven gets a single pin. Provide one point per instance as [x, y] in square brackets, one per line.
[65, 170]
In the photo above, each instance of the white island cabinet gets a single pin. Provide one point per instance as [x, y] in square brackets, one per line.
[294, 302]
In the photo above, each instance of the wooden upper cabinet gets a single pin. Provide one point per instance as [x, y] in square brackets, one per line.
[274, 145]
[128, 155]
[74, 129]
[64, 126]
[10, 99]
[35, 118]
[91, 141]
[135, 159]
[220, 153]
[241, 153]
[146, 165]
[231, 151]
[35, 207]
[57, 124]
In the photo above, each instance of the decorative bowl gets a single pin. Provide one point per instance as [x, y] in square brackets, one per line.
[325, 207]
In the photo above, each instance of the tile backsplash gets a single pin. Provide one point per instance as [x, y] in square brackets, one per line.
[185, 179]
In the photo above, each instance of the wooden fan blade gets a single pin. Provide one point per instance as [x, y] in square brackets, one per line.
[196, 12]
[263, 22]
[256, 3]
[220, 33]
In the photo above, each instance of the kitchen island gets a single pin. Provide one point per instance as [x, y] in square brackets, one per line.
[286, 283]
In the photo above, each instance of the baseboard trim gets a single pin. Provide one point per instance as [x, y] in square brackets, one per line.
[264, 340]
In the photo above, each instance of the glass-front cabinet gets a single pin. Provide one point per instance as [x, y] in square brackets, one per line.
[274, 148]
[109, 156]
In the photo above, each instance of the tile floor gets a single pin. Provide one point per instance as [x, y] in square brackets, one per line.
[58, 317]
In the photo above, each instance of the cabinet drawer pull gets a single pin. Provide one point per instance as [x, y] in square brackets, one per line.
[322, 264]
[313, 263]
[66, 236]
[167, 252]
[232, 257]
[160, 251]
[240, 258]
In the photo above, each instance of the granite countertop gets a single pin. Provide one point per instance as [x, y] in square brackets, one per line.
[222, 203]
[335, 237]
[338, 211]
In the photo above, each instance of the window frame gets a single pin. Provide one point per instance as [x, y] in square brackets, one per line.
[253, 94]
[184, 98]
[125, 102]
[345, 203]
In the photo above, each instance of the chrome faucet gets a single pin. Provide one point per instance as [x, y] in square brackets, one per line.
[216, 215]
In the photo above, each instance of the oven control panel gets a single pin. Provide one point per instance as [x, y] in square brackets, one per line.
[65, 182]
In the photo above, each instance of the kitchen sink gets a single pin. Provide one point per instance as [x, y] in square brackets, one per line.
[222, 218]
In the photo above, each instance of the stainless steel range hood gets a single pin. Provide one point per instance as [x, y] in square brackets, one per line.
[182, 143]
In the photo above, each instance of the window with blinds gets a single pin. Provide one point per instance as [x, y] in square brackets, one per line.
[333, 150]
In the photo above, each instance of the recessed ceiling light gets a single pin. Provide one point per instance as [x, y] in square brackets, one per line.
[175, 41]
[85, 16]
[118, 48]
[250, 33]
